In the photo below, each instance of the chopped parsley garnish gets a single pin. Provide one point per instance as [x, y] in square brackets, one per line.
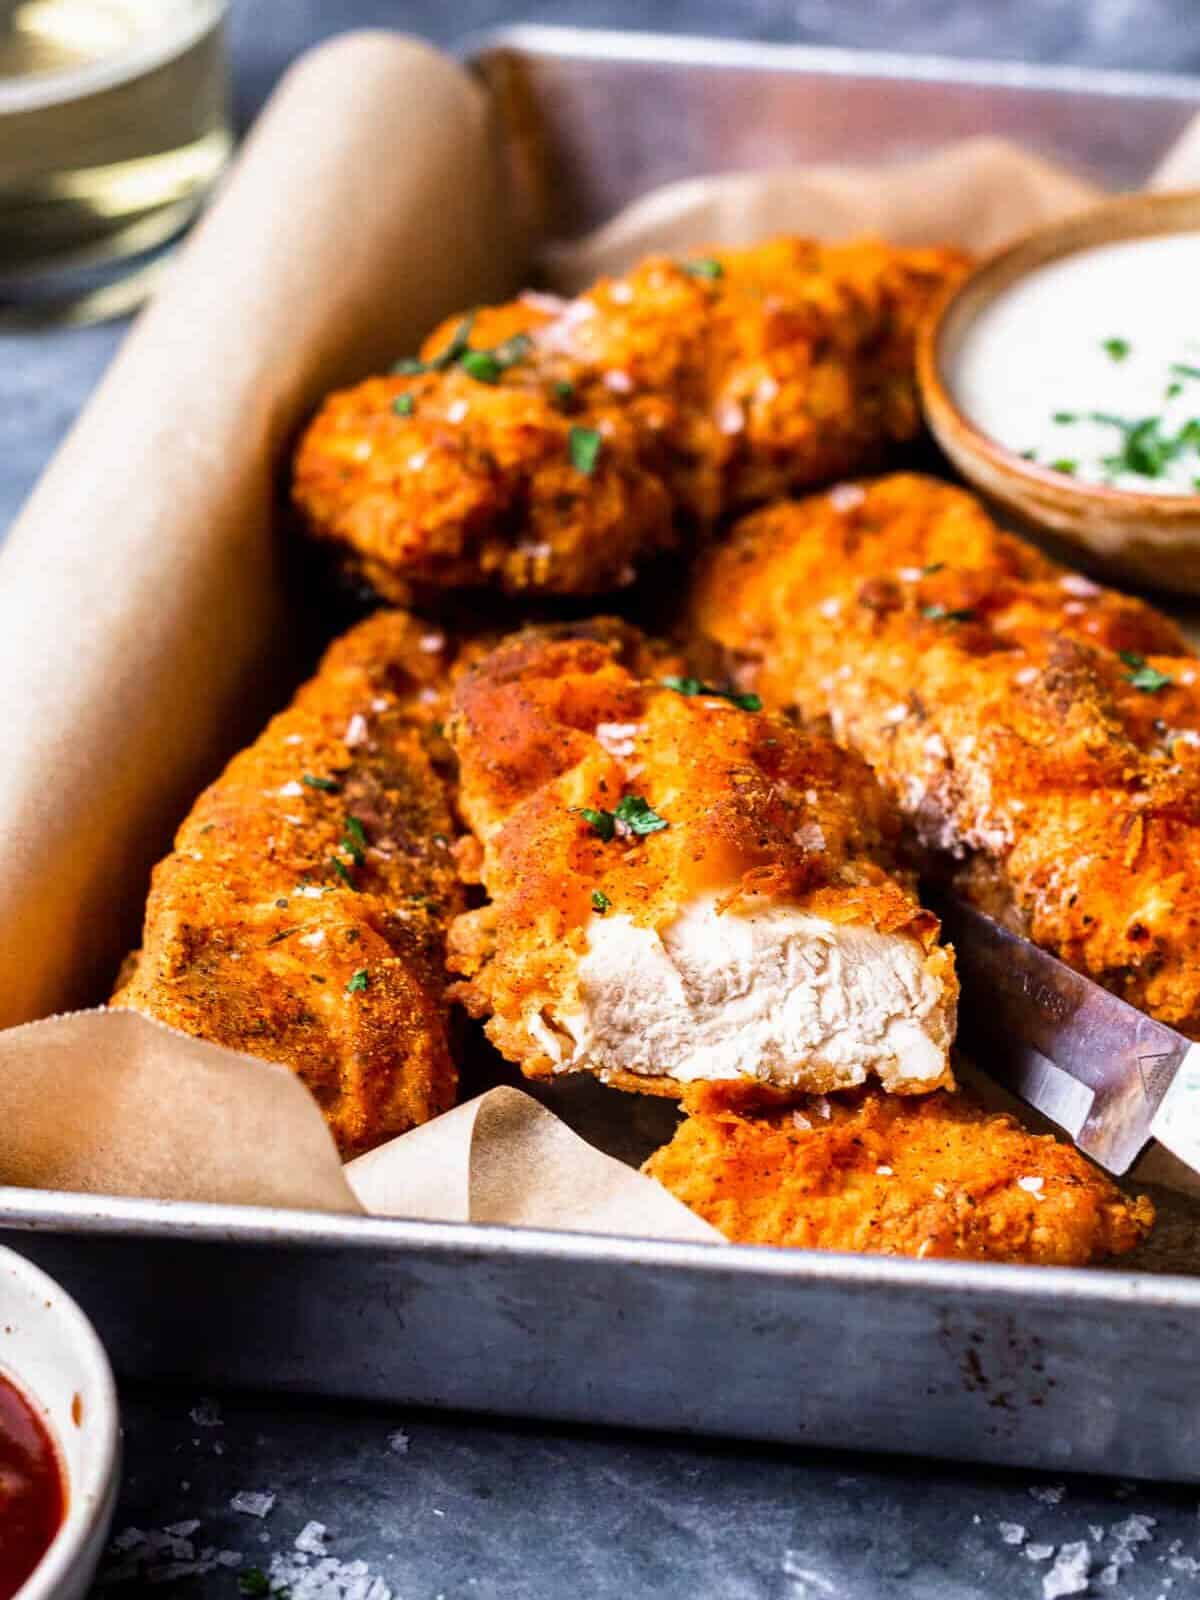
[633, 815]
[601, 822]
[402, 405]
[583, 446]
[1063, 417]
[1142, 675]
[600, 901]
[562, 392]
[354, 841]
[1065, 464]
[343, 872]
[509, 352]
[1146, 451]
[359, 982]
[638, 816]
[1028, 455]
[1174, 389]
[325, 785]
[1116, 349]
[284, 933]
[934, 566]
[254, 1583]
[485, 366]
[460, 343]
[1182, 369]
[480, 365]
[940, 614]
[693, 686]
[704, 267]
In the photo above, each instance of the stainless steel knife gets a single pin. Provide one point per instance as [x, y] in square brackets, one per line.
[1111, 1076]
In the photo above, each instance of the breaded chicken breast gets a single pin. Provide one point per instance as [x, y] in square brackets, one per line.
[680, 887]
[1041, 734]
[551, 445]
[934, 1175]
[301, 916]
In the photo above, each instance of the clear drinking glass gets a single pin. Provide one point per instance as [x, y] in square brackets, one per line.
[114, 125]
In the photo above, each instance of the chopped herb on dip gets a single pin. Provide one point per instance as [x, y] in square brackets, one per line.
[600, 901]
[325, 785]
[1123, 405]
[359, 982]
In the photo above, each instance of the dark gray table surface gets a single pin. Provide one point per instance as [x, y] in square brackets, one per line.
[461, 1507]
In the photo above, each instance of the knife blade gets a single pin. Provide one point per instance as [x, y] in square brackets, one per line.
[1110, 1076]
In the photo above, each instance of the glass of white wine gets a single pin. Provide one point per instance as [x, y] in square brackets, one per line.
[114, 125]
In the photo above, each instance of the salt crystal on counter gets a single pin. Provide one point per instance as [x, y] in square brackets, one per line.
[398, 1442]
[311, 1539]
[1069, 1574]
[207, 1415]
[1012, 1532]
[252, 1503]
[329, 1579]
[1039, 1552]
[1049, 1494]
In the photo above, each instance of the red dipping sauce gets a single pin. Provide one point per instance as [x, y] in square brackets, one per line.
[32, 1497]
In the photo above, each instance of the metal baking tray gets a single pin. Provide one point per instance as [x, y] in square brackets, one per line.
[1038, 1367]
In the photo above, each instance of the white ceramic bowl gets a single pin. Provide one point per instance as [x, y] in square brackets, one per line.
[50, 1351]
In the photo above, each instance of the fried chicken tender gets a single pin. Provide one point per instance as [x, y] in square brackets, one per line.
[301, 916]
[1041, 734]
[935, 1175]
[553, 446]
[682, 888]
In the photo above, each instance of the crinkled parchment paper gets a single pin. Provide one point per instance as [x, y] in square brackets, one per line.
[144, 628]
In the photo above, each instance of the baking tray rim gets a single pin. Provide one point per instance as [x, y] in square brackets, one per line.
[48, 1211]
[635, 46]
[44, 1211]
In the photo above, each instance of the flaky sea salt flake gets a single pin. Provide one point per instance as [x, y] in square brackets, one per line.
[1048, 1494]
[252, 1503]
[1069, 1574]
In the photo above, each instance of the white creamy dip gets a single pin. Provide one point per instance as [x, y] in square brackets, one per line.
[1110, 333]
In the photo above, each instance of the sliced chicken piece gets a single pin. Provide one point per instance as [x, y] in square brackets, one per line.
[682, 888]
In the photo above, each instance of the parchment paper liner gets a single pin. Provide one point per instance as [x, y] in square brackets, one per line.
[144, 630]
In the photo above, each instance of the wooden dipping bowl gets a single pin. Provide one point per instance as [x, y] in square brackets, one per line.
[1151, 539]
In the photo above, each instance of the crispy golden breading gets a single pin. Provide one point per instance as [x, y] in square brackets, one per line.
[1041, 734]
[931, 1176]
[551, 446]
[301, 916]
[681, 887]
